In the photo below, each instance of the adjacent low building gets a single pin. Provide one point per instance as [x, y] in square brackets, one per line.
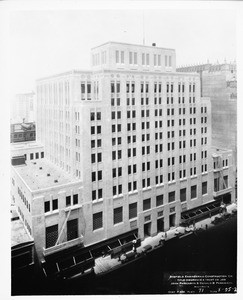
[49, 205]
[22, 132]
[22, 248]
[26, 150]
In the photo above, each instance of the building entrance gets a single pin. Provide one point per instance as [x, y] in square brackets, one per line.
[160, 225]
[147, 229]
[172, 220]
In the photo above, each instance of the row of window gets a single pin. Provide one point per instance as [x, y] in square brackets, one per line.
[53, 204]
[157, 112]
[24, 220]
[24, 199]
[144, 87]
[145, 101]
[118, 212]
[145, 59]
[36, 155]
[132, 186]
[95, 116]
[52, 232]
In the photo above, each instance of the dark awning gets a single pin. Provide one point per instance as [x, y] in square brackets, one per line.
[191, 215]
[78, 258]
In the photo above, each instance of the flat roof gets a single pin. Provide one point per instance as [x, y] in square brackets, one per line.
[71, 72]
[217, 150]
[41, 174]
[19, 234]
[136, 45]
[26, 145]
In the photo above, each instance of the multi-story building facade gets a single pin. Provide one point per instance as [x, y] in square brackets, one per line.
[223, 175]
[24, 108]
[219, 82]
[131, 131]
[131, 139]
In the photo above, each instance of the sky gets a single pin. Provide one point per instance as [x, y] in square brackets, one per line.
[46, 42]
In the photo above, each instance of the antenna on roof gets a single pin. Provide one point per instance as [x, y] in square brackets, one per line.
[143, 30]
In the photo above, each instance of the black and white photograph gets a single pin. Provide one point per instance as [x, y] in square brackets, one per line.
[123, 157]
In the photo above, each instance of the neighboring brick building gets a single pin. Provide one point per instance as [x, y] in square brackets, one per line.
[22, 132]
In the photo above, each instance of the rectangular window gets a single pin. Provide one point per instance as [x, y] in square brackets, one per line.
[204, 187]
[68, 200]
[171, 196]
[92, 116]
[146, 204]
[37, 155]
[118, 215]
[183, 195]
[98, 129]
[159, 200]
[47, 206]
[117, 56]
[97, 220]
[130, 58]
[42, 154]
[75, 199]
[225, 182]
[112, 87]
[99, 157]
[54, 204]
[93, 176]
[72, 229]
[92, 129]
[193, 191]
[99, 193]
[31, 156]
[51, 235]
[122, 57]
[135, 58]
[143, 59]
[147, 59]
[132, 210]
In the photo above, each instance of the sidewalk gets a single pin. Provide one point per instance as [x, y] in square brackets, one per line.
[103, 264]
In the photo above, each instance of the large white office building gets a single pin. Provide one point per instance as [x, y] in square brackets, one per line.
[135, 137]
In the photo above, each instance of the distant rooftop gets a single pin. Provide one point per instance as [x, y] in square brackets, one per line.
[217, 151]
[71, 72]
[128, 44]
[41, 174]
[25, 145]
[19, 234]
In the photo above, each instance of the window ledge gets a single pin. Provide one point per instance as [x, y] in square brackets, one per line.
[98, 229]
[133, 192]
[183, 179]
[171, 182]
[72, 207]
[97, 201]
[53, 212]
